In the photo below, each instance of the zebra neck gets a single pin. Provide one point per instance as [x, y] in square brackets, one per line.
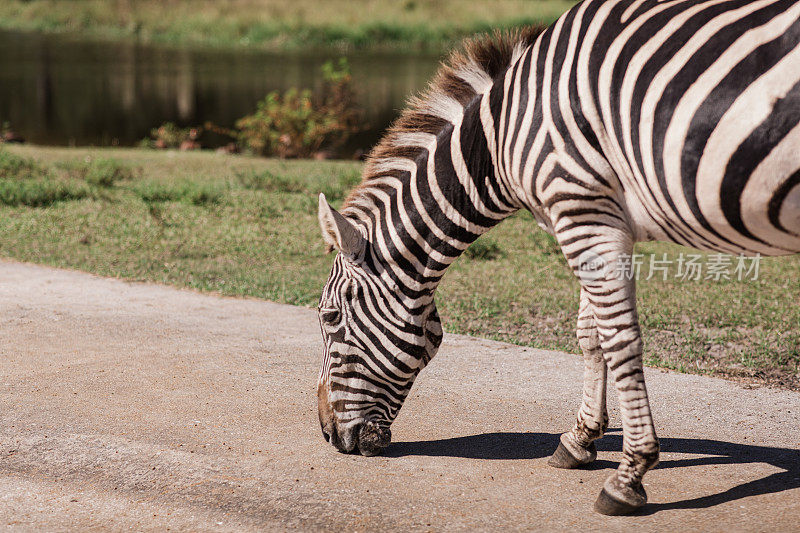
[427, 210]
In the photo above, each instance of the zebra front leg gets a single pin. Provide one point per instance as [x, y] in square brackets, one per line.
[613, 301]
[576, 447]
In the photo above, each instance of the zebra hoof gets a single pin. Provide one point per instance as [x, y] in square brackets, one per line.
[563, 458]
[609, 505]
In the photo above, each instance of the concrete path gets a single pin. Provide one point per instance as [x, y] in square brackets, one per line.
[139, 406]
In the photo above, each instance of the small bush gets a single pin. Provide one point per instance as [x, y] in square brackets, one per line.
[298, 124]
[17, 167]
[484, 249]
[39, 192]
[168, 135]
[281, 126]
[23, 181]
[185, 192]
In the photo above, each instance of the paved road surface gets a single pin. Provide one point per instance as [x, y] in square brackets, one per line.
[140, 406]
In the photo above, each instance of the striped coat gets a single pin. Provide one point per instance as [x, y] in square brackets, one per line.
[624, 121]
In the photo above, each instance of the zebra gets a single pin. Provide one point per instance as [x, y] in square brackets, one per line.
[624, 121]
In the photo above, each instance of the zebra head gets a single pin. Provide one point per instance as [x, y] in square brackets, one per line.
[375, 344]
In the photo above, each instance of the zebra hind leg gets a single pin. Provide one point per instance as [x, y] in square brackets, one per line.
[576, 447]
[614, 304]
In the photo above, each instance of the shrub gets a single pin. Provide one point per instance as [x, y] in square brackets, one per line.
[168, 135]
[39, 192]
[17, 167]
[298, 124]
[24, 182]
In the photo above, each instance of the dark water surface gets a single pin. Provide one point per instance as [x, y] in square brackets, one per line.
[57, 90]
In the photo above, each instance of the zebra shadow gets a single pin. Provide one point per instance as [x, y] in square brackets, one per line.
[509, 446]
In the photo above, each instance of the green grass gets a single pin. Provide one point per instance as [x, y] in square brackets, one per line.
[247, 227]
[187, 192]
[278, 24]
[23, 182]
[98, 172]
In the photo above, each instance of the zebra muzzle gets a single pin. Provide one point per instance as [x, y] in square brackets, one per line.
[367, 438]
[373, 439]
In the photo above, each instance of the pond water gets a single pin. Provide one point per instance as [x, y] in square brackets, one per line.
[57, 90]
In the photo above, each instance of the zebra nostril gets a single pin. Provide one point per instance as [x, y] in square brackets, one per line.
[327, 437]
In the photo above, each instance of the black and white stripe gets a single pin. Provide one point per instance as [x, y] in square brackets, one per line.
[624, 121]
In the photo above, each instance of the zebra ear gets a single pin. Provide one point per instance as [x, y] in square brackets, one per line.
[338, 232]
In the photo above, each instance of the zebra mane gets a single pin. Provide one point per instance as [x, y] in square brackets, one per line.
[464, 75]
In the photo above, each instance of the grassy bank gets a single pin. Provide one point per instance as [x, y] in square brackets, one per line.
[276, 24]
[242, 226]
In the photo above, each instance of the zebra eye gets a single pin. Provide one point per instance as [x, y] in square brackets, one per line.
[329, 315]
